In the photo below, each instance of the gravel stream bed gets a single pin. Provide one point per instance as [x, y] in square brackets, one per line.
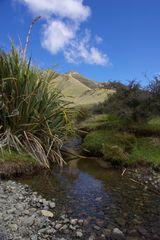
[123, 212]
[26, 215]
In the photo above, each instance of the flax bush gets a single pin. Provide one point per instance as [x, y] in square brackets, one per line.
[33, 116]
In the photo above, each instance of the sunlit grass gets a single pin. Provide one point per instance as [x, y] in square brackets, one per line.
[33, 116]
[146, 150]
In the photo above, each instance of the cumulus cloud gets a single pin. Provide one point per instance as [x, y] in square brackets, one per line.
[72, 9]
[62, 29]
[57, 35]
[98, 39]
[82, 50]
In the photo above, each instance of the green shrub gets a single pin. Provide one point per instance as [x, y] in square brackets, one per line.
[115, 154]
[129, 103]
[146, 150]
[125, 140]
[82, 113]
[152, 127]
[93, 142]
[33, 115]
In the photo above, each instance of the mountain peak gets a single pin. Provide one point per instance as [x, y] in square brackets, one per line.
[72, 72]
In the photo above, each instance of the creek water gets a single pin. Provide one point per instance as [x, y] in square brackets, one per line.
[102, 197]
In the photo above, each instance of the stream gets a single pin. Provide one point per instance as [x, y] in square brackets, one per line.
[102, 197]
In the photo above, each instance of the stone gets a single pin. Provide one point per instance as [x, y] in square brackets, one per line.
[73, 228]
[73, 221]
[14, 227]
[28, 220]
[97, 227]
[79, 234]
[120, 221]
[92, 237]
[133, 233]
[80, 222]
[58, 226]
[142, 231]
[34, 237]
[107, 232]
[117, 234]
[11, 211]
[132, 238]
[46, 213]
[64, 227]
[45, 203]
[52, 205]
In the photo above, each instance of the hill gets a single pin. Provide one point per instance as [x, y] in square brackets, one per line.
[79, 89]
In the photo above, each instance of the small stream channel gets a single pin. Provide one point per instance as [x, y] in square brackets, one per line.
[102, 197]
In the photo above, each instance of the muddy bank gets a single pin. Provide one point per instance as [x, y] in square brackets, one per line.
[16, 169]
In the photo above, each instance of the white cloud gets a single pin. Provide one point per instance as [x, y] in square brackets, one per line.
[62, 29]
[98, 39]
[57, 35]
[72, 9]
[83, 51]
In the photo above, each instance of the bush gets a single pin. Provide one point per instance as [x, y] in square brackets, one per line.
[129, 103]
[33, 116]
[94, 141]
[82, 113]
[115, 154]
[125, 140]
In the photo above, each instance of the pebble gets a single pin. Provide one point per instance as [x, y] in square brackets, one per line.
[79, 234]
[46, 213]
[117, 234]
[24, 216]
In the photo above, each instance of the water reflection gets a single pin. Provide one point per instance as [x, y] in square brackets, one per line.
[101, 196]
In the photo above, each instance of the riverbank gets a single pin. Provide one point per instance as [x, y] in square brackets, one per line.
[26, 215]
[14, 164]
[94, 203]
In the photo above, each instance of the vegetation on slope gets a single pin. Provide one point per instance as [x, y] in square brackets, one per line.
[80, 90]
[127, 132]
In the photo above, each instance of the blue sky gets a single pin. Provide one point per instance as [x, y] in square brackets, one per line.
[103, 40]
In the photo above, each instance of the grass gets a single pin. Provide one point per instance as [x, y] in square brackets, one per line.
[80, 91]
[152, 127]
[146, 150]
[33, 116]
[100, 121]
[94, 140]
[122, 148]
[12, 156]
[13, 164]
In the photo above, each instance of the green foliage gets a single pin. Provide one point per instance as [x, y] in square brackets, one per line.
[100, 121]
[115, 154]
[12, 156]
[33, 116]
[129, 103]
[94, 141]
[147, 151]
[154, 89]
[82, 113]
[150, 128]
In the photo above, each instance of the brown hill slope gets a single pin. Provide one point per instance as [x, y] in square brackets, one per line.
[80, 90]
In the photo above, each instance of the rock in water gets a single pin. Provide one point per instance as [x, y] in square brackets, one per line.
[117, 234]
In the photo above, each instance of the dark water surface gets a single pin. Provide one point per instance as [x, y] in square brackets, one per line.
[102, 197]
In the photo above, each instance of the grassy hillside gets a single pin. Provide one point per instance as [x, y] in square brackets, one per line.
[80, 90]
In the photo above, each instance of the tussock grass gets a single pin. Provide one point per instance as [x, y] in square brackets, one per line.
[33, 119]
